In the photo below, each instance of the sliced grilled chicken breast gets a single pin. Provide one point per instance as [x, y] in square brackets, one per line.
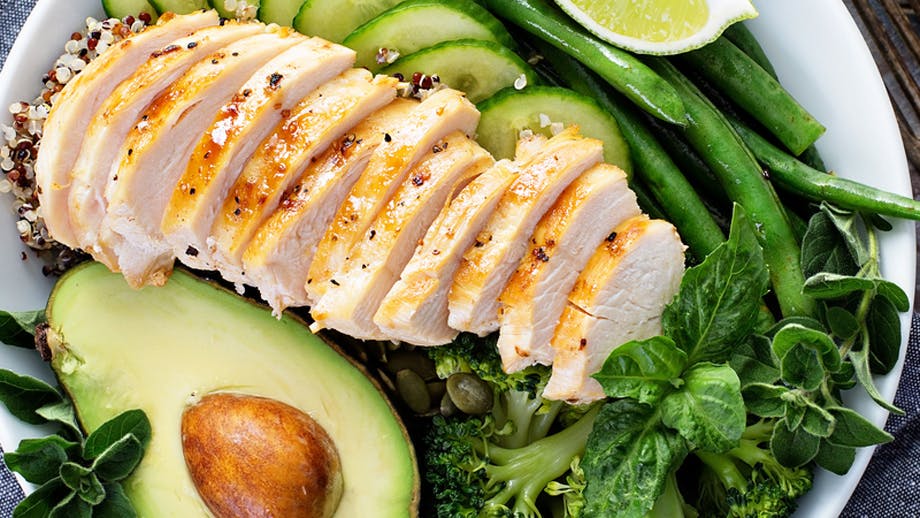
[375, 262]
[584, 215]
[415, 309]
[440, 114]
[278, 257]
[320, 118]
[111, 124]
[618, 297]
[240, 126]
[499, 247]
[157, 149]
[63, 131]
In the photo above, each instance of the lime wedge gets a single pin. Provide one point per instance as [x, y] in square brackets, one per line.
[657, 26]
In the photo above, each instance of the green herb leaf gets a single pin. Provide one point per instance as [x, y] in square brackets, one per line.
[883, 324]
[23, 395]
[824, 250]
[845, 377]
[801, 367]
[82, 481]
[642, 370]
[115, 505]
[119, 459]
[61, 412]
[19, 328]
[708, 409]
[852, 229]
[818, 421]
[754, 362]
[836, 459]
[72, 506]
[793, 448]
[841, 322]
[40, 503]
[719, 300]
[855, 430]
[894, 294]
[829, 286]
[805, 355]
[132, 422]
[627, 459]
[860, 361]
[765, 399]
[39, 460]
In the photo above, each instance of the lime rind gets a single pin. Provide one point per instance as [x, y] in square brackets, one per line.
[722, 14]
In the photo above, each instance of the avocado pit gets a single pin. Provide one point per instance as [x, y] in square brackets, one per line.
[254, 456]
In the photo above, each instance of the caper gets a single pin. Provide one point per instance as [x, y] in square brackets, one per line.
[414, 360]
[470, 394]
[413, 391]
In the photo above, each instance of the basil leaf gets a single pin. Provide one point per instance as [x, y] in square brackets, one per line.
[119, 459]
[719, 300]
[19, 328]
[40, 503]
[793, 448]
[860, 361]
[115, 505]
[894, 294]
[852, 229]
[855, 430]
[765, 399]
[39, 460]
[824, 250]
[23, 395]
[708, 409]
[754, 362]
[828, 286]
[836, 459]
[642, 370]
[627, 460]
[61, 412]
[133, 422]
[883, 324]
[841, 322]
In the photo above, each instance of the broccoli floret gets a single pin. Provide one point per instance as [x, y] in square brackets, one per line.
[748, 481]
[500, 463]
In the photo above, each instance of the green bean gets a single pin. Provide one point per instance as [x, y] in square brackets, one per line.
[657, 171]
[622, 70]
[741, 177]
[793, 175]
[736, 75]
[741, 36]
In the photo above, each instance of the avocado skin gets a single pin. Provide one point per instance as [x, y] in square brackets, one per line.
[161, 349]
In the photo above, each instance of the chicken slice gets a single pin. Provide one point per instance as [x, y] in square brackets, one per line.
[499, 247]
[235, 133]
[584, 215]
[111, 124]
[63, 131]
[619, 297]
[415, 309]
[375, 262]
[440, 114]
[157, 150]
[278, 257]
[318, 120]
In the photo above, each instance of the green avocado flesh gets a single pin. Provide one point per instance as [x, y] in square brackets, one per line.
[160, 349]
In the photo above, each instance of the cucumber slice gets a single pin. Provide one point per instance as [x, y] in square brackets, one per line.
[334, 19]
[281, 12]
[179, 6]
[479, 68]
[121, 8]
[416, 24]
[221, 7]
[508, 112]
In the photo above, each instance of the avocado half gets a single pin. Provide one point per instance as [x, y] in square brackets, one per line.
[162, 349]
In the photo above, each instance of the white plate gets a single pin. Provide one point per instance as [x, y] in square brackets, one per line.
[818, 53]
